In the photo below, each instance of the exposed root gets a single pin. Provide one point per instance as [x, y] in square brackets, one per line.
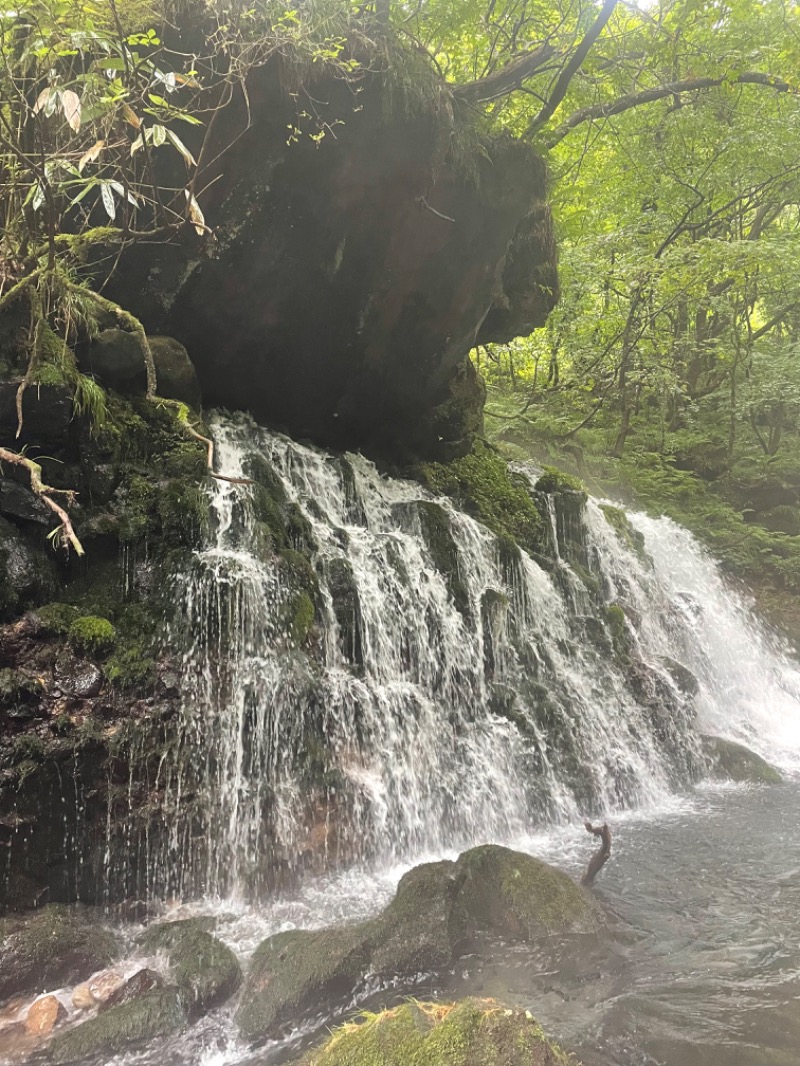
[600, 857]
[182, 414]
[65, 533]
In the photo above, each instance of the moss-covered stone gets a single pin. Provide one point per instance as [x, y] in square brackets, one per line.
[435, 524]
[513, 894]
[738, 763]
[91, 635]
[553, 480]
[56, 618]
[618, 628]
[157, 1013]
[50, 947]
[621, 524]
[483, 486]
[293, 971]
[301, 617]
[206, 972]
[436, 907]
[471, 1033]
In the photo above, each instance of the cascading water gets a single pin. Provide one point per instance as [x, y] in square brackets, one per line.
[454, 691]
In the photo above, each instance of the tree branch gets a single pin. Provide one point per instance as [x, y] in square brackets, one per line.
[45, 493]
[507, 80]
[573, 66]
[649, 96]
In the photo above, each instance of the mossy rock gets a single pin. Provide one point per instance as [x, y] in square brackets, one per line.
[92, 635]
[302, 614]
[621, 524]
[682, 676]
[292, 972]
[206, 972]
[435, 524]
[738, 763]
[436, 908]
[51, 947]
[484, 487]
[156, 1013]
[470, 1033]
[512, 894]
[553, 481]
[56, 618]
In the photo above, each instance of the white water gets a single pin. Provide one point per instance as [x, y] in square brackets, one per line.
[415, 728]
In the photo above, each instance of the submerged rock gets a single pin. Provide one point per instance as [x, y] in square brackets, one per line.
[738, 763]
[204, 969]
[437, 907]
[143, 981]
[158, 1013]
[44, 1015]
[471, 1033]
[49, 948]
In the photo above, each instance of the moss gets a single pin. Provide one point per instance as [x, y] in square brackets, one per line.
[438, 535]
[554, 480]
[514, 894]
[203, 968]
[27, 749]
[618, 628]
[157, 1013]
[738, 763]
[92, 636]
[300, 573]
[621, 524]
[471, 1033]
[485, 488]
[129, 668]
[302, 614]
[56, 618]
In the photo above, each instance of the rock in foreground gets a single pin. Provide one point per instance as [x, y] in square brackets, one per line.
[738, 763]
[472, 1033]
[438, 906]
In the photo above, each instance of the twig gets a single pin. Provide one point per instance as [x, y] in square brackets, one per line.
[600, 857]
[433, 211]
[68, 535]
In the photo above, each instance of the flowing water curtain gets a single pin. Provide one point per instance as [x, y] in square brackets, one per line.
[449, 699]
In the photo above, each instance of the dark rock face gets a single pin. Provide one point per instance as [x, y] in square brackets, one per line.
[347, 281]
[437, 907]
[115, 359]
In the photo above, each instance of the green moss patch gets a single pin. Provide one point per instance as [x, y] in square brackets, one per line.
[483, 486]
[738, 763]
[92, 636]
[157, 1013]
[205, 971]
[471, 1033]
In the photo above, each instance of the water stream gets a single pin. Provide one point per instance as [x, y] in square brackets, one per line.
[453, 692]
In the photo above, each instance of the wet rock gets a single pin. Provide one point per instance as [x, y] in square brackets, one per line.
[20, 503]
[292, 972]
[115, 357]
[437, 906]
[26, 575]
[47, 413]
[682, 676]
[142, 982]
[77, 677]
[204, 969]
[44, 1015]
[471, 1033]
[104, 985]
[157, 1013]
[738, 763]
[82, 998]
[51, 947]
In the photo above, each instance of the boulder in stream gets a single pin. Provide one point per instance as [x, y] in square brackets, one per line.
[471, 1033]
[438, 906]
[54, 946]
[204, 969]
[157, 1013]
[737, 763]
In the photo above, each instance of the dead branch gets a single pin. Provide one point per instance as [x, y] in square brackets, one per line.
[506, 80]
[601, 856]
[45, 494]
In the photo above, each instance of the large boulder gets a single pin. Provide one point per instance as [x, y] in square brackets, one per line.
[54, 946]
[202, 967]
[438, 906]
[738, 763]
[471, 1033]
[115, 358]
[349, 276]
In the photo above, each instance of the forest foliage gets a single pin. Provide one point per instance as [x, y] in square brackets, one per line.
[671, 133]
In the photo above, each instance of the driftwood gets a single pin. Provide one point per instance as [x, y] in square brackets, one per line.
[601, 856]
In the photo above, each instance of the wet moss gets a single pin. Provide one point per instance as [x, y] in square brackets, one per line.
[92, 636]
[206, 972]
[302, 614]
[554, 480]
[157, 1013]
[483, 486]
[618, 628]
[471, 1033]
[56, 618]
[738, 763]
[435, 524]
[621, 524]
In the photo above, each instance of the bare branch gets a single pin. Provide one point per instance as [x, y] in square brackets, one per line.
[45, 494]
[507, 80]
[659, 92]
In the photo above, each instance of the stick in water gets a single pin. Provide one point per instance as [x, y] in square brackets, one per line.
[600, 857]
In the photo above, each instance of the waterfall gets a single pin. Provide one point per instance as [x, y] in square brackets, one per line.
[451, 692]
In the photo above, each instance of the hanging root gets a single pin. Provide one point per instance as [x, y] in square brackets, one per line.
[66, 533]
[182, 414]
[600, 857]
[35, 358]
